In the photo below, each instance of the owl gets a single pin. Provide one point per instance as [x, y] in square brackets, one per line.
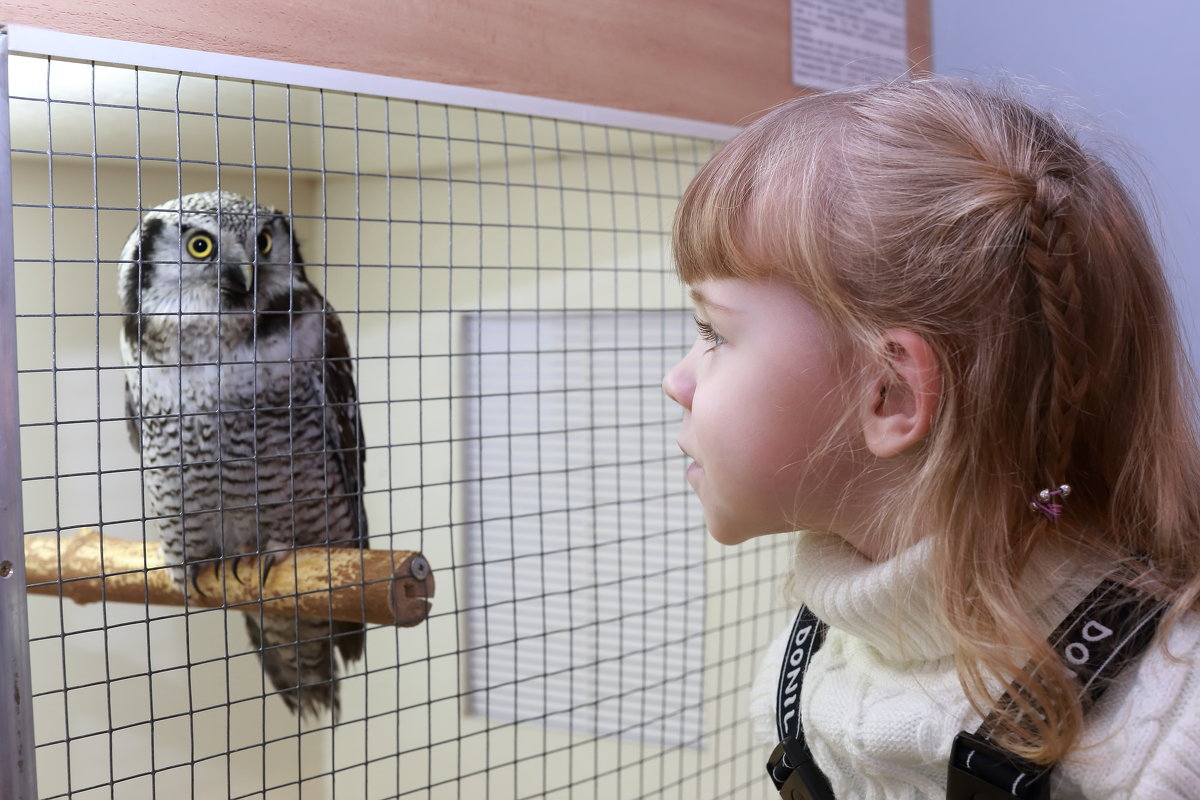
[240, 396]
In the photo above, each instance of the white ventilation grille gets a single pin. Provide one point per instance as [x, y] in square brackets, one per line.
[581, 578]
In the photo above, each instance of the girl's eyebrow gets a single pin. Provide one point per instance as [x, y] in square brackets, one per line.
[699, 299]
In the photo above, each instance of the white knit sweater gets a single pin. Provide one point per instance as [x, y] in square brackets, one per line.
[881, 703]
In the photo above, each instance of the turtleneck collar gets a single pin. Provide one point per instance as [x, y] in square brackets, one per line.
[893, 604]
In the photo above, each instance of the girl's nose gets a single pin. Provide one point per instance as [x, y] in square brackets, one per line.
[679, 383]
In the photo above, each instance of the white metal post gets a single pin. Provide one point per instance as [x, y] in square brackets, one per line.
[18, 777]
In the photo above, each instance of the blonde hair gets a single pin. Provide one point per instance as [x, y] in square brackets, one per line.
[965, 215]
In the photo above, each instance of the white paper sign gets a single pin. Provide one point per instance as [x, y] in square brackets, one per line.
[838, 43]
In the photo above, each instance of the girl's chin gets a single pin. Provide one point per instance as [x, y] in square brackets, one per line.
[725, 531]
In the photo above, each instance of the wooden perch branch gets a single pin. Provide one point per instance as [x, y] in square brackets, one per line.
[390, 587]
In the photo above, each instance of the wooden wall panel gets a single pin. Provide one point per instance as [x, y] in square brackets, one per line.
[714, 60]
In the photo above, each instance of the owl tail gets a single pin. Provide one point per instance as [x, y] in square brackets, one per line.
[297, 656]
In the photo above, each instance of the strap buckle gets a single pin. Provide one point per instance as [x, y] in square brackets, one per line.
[795, 775]
[979, 770]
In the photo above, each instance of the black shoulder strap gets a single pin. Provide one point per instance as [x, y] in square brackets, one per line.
[791, 766]
[807, 636]
[1103, 634]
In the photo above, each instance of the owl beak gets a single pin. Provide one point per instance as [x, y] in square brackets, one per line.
[237, 277]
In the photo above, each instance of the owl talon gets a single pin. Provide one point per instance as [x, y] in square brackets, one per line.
[194, 577]
[266, 563]
[237, 563]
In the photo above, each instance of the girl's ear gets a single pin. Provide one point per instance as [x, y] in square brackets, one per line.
[900, 404]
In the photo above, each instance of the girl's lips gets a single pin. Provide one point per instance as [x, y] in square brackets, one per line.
[693, 466]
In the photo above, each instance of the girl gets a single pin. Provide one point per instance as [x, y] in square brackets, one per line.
[934, 336]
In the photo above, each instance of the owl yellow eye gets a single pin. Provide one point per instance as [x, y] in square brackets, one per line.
[264, 243]
[201, 245]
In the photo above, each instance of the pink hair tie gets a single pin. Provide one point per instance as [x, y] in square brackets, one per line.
[1043, 502]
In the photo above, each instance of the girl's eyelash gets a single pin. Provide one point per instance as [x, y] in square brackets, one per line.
[707, 332]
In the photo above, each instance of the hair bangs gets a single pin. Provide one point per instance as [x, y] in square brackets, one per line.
[709, 240]
[761, 208]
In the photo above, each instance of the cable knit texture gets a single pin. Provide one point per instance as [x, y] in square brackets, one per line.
[881, 702]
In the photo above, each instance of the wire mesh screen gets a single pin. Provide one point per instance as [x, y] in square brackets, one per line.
[504, 286]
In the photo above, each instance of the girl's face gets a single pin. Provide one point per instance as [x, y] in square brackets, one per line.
[762, 400]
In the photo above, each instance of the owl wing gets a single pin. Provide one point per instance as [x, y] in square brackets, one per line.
[343, 430]
[344, 441]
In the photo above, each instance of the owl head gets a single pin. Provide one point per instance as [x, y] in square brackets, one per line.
[209, 252]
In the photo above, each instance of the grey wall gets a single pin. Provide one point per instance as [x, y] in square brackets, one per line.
[1134, 70]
